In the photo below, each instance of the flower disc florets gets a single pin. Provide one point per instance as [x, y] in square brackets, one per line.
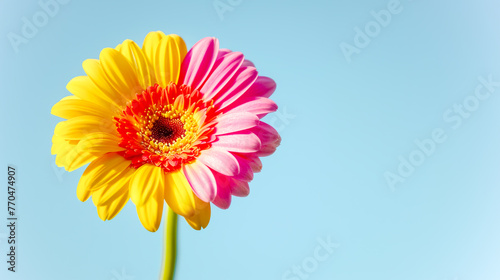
[165, 127]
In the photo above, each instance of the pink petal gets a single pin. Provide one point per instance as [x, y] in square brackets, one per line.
[222, 52]
[263, 87]
[269, 137]
[223, 70]
[254, 161]
[220, 160]
[229, 123]
[198, 62]
[246, 142]
[223, 198]
[246, 172]
[266, 133]
[248, 63]
[260, 106]
[239, 188]
[240, 82]
[267, 150]
[201, 179]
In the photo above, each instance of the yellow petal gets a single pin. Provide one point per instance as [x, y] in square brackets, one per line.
[74, 107]
[119, 73]
[102, 211]
[78, 127]
[150, 44]
[76, 159]
[85, 89]
[100, 172]
[200, 219]
[113, 189]
[146, 191]
[179, 195]
[109, 210]
[96, 73]
[146, 181]
[61, 147]
[136, 57]
[99, 143]
[59, 144]
[117, 205]
[150, 212]
[68, 156]
[168, 59]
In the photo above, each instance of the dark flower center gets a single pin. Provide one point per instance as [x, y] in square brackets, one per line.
[167, 130]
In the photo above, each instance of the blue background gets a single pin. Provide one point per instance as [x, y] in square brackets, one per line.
[344, 125]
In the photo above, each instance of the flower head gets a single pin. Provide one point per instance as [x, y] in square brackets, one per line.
[160, 123]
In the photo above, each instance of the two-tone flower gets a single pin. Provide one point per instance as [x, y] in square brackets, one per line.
[160, 123]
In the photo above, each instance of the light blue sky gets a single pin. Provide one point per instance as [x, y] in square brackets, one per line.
[344, 126]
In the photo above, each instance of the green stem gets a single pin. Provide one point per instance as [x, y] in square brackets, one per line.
[170, 246]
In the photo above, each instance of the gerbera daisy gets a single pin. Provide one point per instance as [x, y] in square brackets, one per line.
[160, 123]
